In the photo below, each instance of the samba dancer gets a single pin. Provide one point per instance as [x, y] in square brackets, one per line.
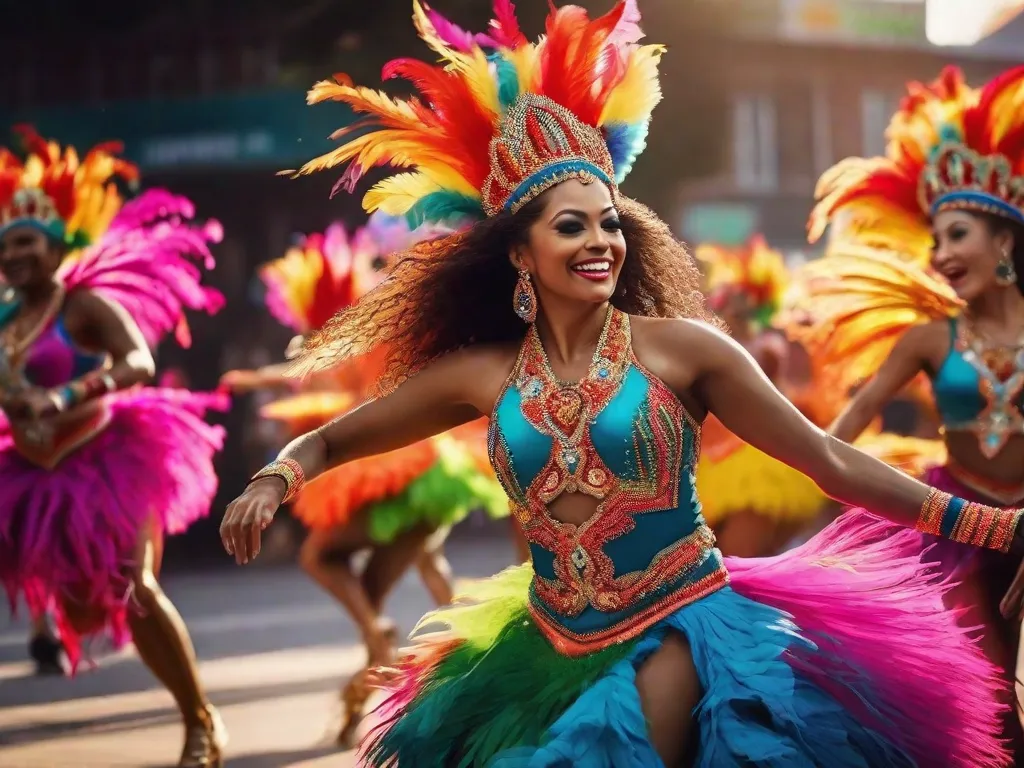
[571, 313]
[400, 506]
[95, 470]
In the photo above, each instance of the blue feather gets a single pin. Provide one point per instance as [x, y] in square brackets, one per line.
[625, 142]
[507, 78]
[444, 208]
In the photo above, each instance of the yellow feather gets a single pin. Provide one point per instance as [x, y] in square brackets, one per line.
[368, 101]
[397, 194]
[633, 100]
[525, 61]
[851, 307]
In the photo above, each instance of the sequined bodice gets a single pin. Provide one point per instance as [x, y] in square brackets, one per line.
[622, 437]
[977, 395]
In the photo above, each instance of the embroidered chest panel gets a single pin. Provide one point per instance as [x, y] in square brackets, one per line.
[651, 443]
[1000, 374]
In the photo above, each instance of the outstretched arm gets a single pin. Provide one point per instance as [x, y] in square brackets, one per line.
[450, 392]
[906, 360]
[733, 387]
[243, 381]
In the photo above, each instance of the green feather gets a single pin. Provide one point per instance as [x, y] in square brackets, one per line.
[502, 687]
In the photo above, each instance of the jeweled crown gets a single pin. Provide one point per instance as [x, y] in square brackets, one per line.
[541, 144]
[958, 177]
[32, 206]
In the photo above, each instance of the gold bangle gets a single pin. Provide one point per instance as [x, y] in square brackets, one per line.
[288, 470]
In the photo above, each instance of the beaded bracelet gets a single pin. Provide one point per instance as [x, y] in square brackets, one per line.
[968, 522]
[81, 390]
[288, 470]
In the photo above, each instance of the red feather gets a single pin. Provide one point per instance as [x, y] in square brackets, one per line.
[505, 26]
[462, 122]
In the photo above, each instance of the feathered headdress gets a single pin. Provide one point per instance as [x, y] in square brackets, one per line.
[500, 119]
[849, 308]
[949, 146]
[755, 270]
[322, 274]
[70, 199]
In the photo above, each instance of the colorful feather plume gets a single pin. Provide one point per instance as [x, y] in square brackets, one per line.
[150, 260]
[594, 68]
[754, 270]
[949, 145]
[73, 198]
[324, 273]
[849, 308]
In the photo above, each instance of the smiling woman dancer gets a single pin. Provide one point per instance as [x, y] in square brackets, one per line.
[94, 469]
[570, 313]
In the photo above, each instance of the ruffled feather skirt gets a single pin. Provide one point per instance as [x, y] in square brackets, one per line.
[838, 654]
[72, 531]
[734, 477]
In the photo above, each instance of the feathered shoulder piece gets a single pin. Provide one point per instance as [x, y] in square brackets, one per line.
[949, 146]
[150, 260]
[71, 199]
[849, 308]
[323, 273]
[755, 270]
[499, 119]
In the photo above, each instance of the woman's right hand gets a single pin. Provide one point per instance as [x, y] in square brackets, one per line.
[247, 516]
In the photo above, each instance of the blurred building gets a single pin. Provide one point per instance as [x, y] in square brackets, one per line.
[811, 82]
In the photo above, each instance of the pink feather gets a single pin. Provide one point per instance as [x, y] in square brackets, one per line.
[150, 262]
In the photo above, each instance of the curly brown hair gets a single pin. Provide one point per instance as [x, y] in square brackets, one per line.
[446, 294]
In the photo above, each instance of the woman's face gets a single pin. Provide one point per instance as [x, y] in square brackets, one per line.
[27, 257]
[575, 249]
[734, 307]
[967, 253]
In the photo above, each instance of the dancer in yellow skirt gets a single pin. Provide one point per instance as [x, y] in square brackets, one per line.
[754, 503]
[399, 505]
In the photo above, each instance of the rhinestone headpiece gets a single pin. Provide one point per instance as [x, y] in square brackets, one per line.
[541, 144]
[958, 177]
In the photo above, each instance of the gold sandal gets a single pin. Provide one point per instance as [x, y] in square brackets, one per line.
[353, 697]
[205, 742]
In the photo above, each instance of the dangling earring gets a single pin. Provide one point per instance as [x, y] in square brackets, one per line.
[524, 300]
[1006, 274]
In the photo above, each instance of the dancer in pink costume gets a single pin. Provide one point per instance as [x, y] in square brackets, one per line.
[95, 469]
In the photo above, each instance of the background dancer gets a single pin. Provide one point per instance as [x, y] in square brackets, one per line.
[399, 506]
[948, 194]
[754, 503]
[95, 470]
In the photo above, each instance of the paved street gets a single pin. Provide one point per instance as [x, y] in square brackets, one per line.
[274, 651]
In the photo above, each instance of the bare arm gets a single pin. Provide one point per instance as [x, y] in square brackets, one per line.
[434, 401]
[450, 392]
[101, 326]
[733, 387]
[276, 375]
[907, 359]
